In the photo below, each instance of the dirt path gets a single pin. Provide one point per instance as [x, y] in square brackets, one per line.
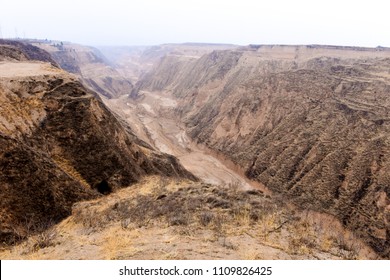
[147, 119]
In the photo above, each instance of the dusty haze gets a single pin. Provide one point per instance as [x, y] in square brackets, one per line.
[151, 22]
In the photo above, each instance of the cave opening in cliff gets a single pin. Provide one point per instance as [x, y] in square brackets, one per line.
[103, 187]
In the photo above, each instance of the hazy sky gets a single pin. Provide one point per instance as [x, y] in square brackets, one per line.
[149, 22]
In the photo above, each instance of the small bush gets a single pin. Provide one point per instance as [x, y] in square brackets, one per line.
[178, 220]
[42, 240]
[205, 218]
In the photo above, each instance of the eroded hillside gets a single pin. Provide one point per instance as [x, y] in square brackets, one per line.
[89, 65]
[59, 145]
[310, 122]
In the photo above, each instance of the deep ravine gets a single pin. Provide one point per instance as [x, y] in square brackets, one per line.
[152, 118]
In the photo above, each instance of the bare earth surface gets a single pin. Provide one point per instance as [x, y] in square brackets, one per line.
[26, 69]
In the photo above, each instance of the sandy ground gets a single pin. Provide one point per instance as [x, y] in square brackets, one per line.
[150, 118]
[26, 69]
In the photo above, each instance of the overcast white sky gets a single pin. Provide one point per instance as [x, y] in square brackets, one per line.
[150, 22]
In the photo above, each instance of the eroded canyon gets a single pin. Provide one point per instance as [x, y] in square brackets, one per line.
[301, 131]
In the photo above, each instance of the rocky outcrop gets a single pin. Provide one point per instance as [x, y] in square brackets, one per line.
[59, 144]
[309, 122]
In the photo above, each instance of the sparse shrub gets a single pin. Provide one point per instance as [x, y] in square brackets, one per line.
[255, 192]
[227, 244]
[235, 186]
[125, 223]
[162, 184]
[297, 246]
[219, 225]
[327, 243]
[255, 215]
[44, 239]
[348, 248]
[205, 218]
[216, 202]
[41, 233]
[180, 219]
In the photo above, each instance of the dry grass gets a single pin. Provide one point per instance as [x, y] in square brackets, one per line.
[35, 243]
[68, 168]
[161, 218]
[114, 247]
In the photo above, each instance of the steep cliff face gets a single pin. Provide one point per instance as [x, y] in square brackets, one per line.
[311, 122]
[90, 65]
[59, 145]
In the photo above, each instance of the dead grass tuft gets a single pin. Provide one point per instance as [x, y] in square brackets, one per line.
[44, 239]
